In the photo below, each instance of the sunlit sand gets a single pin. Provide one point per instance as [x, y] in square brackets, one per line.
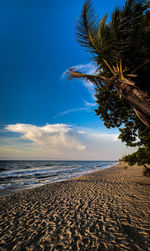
[105, 210]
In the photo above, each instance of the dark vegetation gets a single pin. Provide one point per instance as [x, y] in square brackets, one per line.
[121, 53]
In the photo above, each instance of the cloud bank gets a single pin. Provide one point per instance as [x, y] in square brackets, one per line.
[60, 142]
[56, 137]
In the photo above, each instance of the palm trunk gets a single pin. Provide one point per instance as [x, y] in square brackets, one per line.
[139, 100]
[146, 170]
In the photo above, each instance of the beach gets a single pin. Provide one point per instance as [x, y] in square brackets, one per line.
[104, 210]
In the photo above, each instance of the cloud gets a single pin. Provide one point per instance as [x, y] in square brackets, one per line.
[71, 110]
[89, 104]
[106, 136]
[86, 69]
[60, 142]
[52, 137]
[88, 107]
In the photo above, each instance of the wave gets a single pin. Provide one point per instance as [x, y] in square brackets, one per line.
[18, 175]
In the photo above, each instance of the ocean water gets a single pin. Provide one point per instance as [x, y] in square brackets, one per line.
[20, 175]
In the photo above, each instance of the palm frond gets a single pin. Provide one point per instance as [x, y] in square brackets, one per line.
[74, 74]
[87, 28]
[101, 27]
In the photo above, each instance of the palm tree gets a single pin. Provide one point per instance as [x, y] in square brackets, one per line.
[121, 53]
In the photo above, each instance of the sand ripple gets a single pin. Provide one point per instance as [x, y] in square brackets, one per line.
[106, 210]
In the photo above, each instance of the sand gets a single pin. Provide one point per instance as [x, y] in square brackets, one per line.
[105, 210]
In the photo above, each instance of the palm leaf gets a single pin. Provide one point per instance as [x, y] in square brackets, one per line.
[101, 28]
[87, 28]
[74, 74]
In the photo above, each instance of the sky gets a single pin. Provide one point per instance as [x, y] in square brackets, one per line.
[42, 114]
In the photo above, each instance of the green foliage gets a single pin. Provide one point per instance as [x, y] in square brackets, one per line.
[132, 44]
[141, 157]
[124, 41]
[125, 37]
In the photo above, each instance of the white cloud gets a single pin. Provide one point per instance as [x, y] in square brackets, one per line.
[106, 136]
[86, 69]
[55, 137]
[89, 104]
[71, 110]
[60, 141]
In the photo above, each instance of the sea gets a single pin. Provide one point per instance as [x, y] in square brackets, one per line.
[19, 175]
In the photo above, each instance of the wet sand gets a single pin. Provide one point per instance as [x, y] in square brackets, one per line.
[105, 210]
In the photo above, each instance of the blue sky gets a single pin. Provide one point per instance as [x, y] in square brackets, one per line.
[40, 108]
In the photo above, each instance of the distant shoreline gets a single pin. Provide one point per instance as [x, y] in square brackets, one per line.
[54, 160]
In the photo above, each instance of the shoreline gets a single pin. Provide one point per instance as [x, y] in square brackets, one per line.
[21, 189]
[103, 210]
